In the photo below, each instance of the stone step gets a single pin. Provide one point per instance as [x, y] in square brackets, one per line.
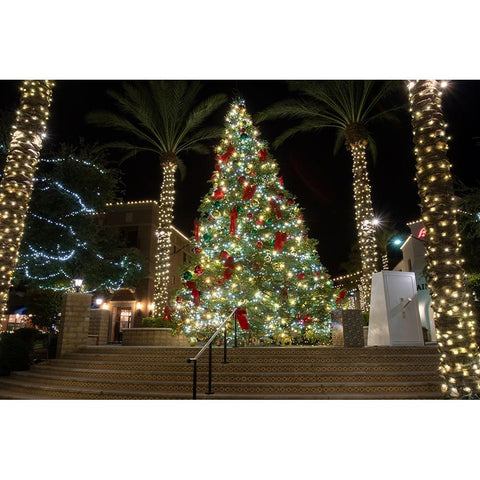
[258, 390]
[423, 358]
[240, 384]
[248, 351]
[117, 372]
[24, 392]
[225, 375]
[79, 365]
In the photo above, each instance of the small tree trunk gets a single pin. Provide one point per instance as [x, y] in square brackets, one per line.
[451, 300]
[164, 241]
[363, 220]
[17, 183]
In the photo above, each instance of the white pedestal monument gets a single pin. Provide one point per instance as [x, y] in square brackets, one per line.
[394, 315]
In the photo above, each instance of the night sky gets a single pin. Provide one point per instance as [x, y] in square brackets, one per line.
[321, 181]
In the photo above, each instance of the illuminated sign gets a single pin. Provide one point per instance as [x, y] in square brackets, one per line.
[421, 233]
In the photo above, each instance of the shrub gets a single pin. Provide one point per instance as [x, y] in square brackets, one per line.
[157, 322]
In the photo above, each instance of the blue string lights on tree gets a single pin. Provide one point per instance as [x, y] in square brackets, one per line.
[63, 239]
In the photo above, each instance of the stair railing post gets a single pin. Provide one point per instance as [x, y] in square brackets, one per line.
[194, 393]
[210, 369]
[225, 344]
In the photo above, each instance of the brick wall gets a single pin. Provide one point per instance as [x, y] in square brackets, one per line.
[74, 323]
[99, 322]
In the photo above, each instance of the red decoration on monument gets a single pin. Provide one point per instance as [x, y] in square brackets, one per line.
[280, 239]
[218, 194]
[274, 207]
[263, 156]
[198, 269]
[289, 201]
[166, 314]
[341, 297]
[224, 254]
[242, 319]
[195, 225]
[197, 250]
[227, 275]
[233, 221]
[301, 276]
[193, 290]
[280, 180]
[259, 244]
[241, 179]
[250, 215]
[249, 192]
[228, 153]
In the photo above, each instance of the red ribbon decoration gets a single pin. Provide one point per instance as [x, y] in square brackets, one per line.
[306, 318]
[242, 319]
[230, 263]
[195, 225]
[218, 194]
[249, 192]
[227, 275]
[263, 156]
[275, 208]
[193, 290]
[341, 297]
[280, 239]
[166, 314]
[233, 220]
[228, 153]
[280, 180]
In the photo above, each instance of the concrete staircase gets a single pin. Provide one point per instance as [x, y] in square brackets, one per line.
[121, 372]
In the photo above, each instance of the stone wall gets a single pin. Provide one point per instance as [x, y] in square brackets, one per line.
[98, 328]
[74, 323]
[153, 337]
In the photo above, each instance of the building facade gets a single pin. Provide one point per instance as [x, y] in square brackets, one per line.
[137, 223]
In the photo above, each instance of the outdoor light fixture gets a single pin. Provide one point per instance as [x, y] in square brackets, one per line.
[139, 305]
[98, 302]
[397, 241]
[77, 284]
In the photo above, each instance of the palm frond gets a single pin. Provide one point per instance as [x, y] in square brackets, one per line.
[306, 126]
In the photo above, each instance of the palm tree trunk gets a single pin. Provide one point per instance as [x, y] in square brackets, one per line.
[451, 301]
[364, 220]
[17, 183]
[164, 241]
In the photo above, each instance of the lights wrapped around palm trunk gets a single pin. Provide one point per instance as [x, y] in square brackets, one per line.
[16, 186]
[451, 300]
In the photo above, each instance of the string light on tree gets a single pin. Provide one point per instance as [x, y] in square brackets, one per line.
[451, 299]
[355, 140]
[17, 182]
[251, 249]
[165, 219]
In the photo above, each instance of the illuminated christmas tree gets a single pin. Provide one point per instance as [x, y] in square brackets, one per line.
[252, 250]
[63, 239]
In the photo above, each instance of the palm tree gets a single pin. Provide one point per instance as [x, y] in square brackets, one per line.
[16, 186]
[164, 118]
[350, 107]
[451, 300]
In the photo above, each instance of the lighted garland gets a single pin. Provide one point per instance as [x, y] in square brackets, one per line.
[17, 182]
[451, 301]
[251, 250]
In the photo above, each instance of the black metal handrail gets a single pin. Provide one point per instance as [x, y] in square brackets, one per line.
[209, 344]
